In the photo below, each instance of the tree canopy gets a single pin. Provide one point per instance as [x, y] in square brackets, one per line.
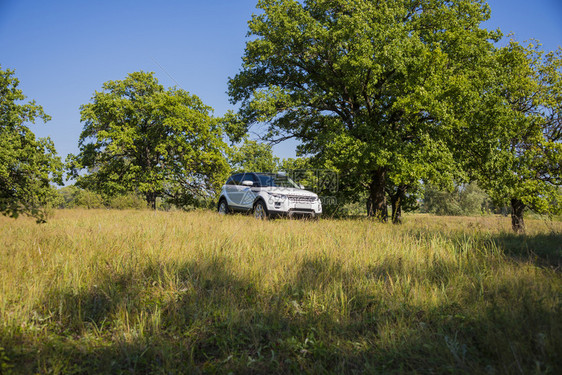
[140, 137]
[253, 156]
[374, 89]
[513, 146]
[27, 165]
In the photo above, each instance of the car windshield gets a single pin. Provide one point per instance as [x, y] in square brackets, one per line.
[277, 180]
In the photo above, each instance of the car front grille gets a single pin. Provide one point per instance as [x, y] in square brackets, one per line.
[301, 199]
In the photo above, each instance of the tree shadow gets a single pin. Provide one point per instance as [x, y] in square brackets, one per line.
[544, 250]
[211, 320]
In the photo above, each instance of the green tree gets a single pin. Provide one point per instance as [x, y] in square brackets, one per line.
[440, 202]
[292, 164]
[27, 165]
[88, 199]
[519, 140]
[253, 156]
[302, 171]
[139, 137]
[468, 199]
[127, 201]
[372, 88]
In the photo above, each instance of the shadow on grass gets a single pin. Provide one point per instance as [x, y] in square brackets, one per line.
[543, 249]
[212, 321]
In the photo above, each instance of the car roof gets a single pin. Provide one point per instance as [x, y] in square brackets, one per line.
[268, 174]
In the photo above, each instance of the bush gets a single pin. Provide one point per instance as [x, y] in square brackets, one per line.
[127, 201]
[72, 196]
[464, 200]
[88, 199]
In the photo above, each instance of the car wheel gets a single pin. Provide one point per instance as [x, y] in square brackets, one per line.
[260, 212]
[223, 207]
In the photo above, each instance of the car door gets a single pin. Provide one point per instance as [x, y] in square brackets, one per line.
[232, 193]
[246, 193]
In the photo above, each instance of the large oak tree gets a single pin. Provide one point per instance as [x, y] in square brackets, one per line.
[139, 137]
[374, 88]
[513, 145]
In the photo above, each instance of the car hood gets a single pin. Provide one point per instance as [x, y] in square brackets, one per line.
[289, 191]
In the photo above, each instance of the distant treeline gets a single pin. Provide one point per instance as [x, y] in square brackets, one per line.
[72, 196]
[465, 200]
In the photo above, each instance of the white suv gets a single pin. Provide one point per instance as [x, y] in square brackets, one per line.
[267, 194]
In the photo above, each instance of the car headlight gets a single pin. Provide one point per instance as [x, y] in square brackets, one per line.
[277, 195]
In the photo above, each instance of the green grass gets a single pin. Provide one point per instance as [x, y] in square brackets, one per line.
[100, 291]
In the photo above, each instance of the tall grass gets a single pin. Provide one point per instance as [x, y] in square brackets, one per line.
[100, 291]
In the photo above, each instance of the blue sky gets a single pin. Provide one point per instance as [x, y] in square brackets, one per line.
[63, 51]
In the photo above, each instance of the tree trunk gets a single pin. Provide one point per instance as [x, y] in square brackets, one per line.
[517, 223]
[376, 204]
[151, 200]
[396, 200]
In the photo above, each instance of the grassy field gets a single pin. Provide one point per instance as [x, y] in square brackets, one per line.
[101, 291]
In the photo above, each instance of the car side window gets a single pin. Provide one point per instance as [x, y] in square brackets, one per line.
[235, 179]
[266, 180]
[247, 177]
[256, 180]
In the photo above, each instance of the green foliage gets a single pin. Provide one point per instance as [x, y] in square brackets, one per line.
[72, 196]
[253, 156]
[140, 138]
[234, 127]
[27, 165]
[302, 171]
[75, 197]
[127, 201]
[88, 199]
[514, 148]
[375, 90]
[292, 164]
[466, 200]
[65, 197]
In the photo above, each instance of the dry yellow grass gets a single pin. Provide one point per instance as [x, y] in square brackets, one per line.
[119, 291]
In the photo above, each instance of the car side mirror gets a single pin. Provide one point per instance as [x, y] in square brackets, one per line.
[301, 186]
[248, 183]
